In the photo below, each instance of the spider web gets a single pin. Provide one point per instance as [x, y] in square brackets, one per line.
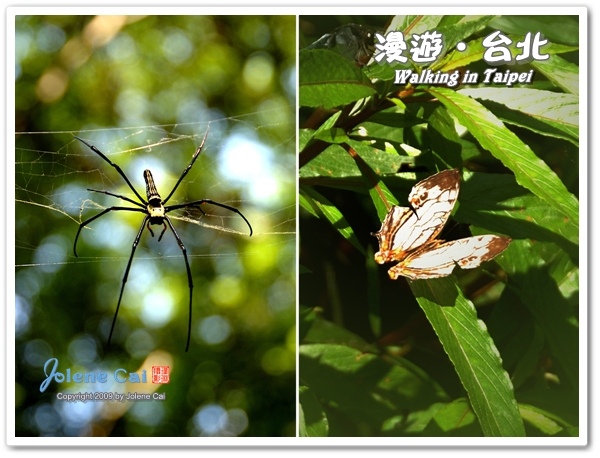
[245, 163]
[52, 197]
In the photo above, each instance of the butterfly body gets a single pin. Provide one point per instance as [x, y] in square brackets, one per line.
[408, 234]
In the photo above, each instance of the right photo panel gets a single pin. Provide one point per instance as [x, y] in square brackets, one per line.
[439, 192]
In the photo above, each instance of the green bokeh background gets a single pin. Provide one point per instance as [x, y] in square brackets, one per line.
[144, 90]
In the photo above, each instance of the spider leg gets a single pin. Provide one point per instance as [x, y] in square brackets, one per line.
[188, 168]
[163, 231]
[189, 275]
[197, 203]
[133, 247]
[118, 169]
[161, 234]
[150, 229]
[120, 197]
[87, 221]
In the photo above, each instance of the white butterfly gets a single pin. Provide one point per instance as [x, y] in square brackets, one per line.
[408, 234]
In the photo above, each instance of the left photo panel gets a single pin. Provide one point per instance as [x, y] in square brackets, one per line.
[155, 226]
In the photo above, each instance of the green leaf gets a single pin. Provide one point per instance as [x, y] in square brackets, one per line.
[453, 29]
[329, 80]
[307, 204]
[410, 24]
[517, 337]
[324, 132]
[373, 292]
[530, 171]
[368, 390]
[333, 135]
[467, 26]
[324, 331]
[560, 29]
[561, 72]
[526, 264]
[456, 419]
[541, 420]
[304, 137]
[333, 162]
[313, 419]
[381, 196]
[546, 112]
[306, 318]
[473, 353]
[317, 203]
[458, 59]
[335, 167]
[566, 274]
[475, 51]
[445, 142]
[496, 202]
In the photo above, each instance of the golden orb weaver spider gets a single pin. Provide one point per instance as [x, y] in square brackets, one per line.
[155, 211]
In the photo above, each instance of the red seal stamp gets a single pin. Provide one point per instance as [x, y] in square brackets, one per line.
[160, 374]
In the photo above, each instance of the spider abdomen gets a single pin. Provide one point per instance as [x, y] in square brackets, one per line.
[155, 207]
[151, 192]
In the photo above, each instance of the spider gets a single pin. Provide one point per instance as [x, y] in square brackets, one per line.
[155, 213]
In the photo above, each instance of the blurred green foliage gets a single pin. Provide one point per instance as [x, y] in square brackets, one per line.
[144, 90]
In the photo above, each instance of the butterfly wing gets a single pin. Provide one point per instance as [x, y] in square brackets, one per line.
[391, 244]
[438, 258]
[405, 229]
[442, 186]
